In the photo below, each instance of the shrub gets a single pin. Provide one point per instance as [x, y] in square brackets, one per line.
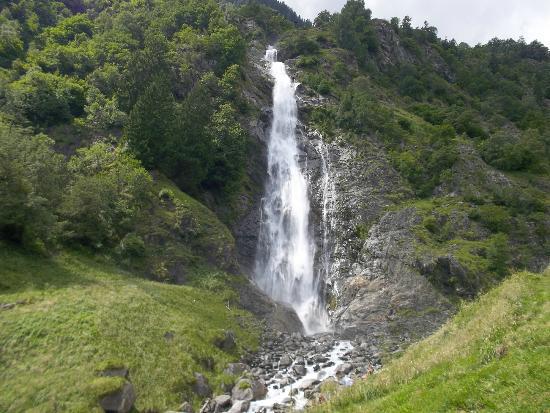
[132, 245]
[494, 217]
[498, 254]
[297, 43]
[512, 153]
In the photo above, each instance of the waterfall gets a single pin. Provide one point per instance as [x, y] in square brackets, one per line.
[327, 219]
[286, 250]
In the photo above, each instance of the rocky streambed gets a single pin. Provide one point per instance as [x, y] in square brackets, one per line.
[292, 371]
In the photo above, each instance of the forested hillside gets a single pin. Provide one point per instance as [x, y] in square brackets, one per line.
[132, 175]
[467, 127]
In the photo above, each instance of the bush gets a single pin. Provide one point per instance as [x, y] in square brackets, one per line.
[297, 43]
[132, 245]
[494, 217]
[511, 153]
[498, 254]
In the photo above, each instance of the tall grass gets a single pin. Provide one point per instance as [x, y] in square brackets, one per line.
[492, 356]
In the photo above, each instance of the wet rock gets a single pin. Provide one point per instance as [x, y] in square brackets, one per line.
[299, 370]
[259, 389]
[222, 402]
[240, 406]
[235, 369]
[308, 384]
[186, 407]
[343, 369]
[201, 386]
[120, 401]
[242, 391]
[285, 361]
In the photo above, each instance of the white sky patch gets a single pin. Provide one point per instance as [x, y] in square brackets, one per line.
[470, 21]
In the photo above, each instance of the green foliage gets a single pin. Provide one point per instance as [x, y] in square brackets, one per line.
[297, 43]
[11, 44]
[529, 151]
[132, 245]
[68, 29]
[498, 255]
[106, 197]
[32, 176]
[96, 316]
[227, 46]
[45, 98]
[152, 123]
[319, 83]
[432, 150]
[354, 31]
[229, 144]
[138, 65]
[494, 217]
[489, 357]
[102, 113]
[270, 22]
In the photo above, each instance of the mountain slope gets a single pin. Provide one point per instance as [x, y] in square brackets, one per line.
[65, 319]
[491, 356]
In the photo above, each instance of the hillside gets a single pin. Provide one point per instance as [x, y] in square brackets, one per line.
[135, 186]
[67, 319]
[491, 356]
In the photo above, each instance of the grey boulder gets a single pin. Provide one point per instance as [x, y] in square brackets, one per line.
[121, 401]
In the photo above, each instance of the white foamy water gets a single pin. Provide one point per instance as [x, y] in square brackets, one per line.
[283, 394]
[286, 250]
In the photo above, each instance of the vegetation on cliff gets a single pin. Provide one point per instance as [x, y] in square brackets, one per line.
[125, 124]
[467, 127]
[490, 357]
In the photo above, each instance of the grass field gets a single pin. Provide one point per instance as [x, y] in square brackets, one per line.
[493, 356]
[76, 315]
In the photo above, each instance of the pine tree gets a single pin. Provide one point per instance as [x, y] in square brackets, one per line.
[152, 122]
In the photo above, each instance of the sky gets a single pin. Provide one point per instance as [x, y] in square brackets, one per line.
[470, 21]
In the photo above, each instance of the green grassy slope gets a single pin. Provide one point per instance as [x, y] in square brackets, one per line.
[492, 356]
[76, 314]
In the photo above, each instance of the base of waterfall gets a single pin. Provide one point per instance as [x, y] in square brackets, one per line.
[293, 371]
[285, 255]
[296, 384]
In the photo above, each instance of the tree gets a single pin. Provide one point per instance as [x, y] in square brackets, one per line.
[406, 25]
[152, 123]
[107, 195]
[324, 20]
[191, 151]
[229, 142]
[45, 98]
[227, 46]
[354, 31]
[32, 178]
[101, 112]
[11, 44]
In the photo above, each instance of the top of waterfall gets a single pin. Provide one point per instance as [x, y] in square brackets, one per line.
[271, 54]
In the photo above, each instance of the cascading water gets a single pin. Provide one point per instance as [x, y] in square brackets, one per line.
[286, 250]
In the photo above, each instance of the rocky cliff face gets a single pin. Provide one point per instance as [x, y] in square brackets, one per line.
[365, 253]
[374, 282]
[383, 279]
